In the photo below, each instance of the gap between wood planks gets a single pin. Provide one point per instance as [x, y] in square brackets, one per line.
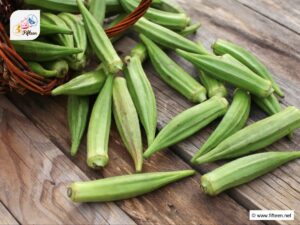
[6, 217]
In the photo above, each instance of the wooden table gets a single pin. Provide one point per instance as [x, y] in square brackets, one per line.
[35, 165]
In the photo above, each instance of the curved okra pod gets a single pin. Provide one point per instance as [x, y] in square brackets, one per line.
[213, 86]
[98, 9]
[99, 127]
[40, 70]
[60, 66]
[222, 47]
[48, 28]
[127, 121]
[244, 170]
[166, 37]
[255, 136]
[174, 21]
[191, 29]
[142, 95]
[234, 120]
[78, 109]
[99, 41]
[173, 74]
[85, 84]
[188, 123]
[42, 52]
[123, 187]
[230, 72]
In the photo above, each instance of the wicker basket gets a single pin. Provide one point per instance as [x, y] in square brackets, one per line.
[15, 75]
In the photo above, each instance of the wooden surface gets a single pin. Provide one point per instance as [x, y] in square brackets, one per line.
[34, 140]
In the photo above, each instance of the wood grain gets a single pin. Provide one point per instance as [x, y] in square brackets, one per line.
[35, 174]
[5, 217]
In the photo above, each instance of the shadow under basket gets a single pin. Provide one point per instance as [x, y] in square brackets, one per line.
[15, 74]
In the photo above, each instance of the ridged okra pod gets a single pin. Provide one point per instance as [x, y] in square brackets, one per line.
[234, 120]
[99, 127]
[222, 47]
[213, 86]
[188, 123]
[123, 187]
[230, 73]
[166, 37]
[78, 109]
[54, 5]
[142, 95]
[40, 70]
[127, 121]
[173, 74]
[174, 21]
[75, 23]
[60, 66]
[43, 52]
[48, 28]
[255, 136]
[244, 170]
[191, 29]
[100, 42]
[98, 9]
[86, 84]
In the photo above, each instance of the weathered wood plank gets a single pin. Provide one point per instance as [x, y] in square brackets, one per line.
[175, 204]
[6, 217]
[285, 13]
[34, 176]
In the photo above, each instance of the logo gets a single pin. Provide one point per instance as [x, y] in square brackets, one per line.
[25, 25]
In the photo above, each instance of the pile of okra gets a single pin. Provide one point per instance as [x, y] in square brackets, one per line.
[72, 31]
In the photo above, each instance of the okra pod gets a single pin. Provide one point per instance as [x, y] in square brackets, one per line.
[123, 187]
[43, 52]
[47, 29]
[244, 170]
[167, 37]
[78, 109]
[174, 21]
[170, 6]
[191, 29]
[255, 136]
[188, 123]
[234, 120]
[40, 70]
[142, 95]
[127, 121]
[99, 127]
[99, 41]
[54, 5]
[98, 9]
[222, 47]
[213, 86]
[60, 66]
[173, 74]
[86, 84]
[230, 72]
[139, 50]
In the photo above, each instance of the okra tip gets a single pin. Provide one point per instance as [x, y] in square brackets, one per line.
[206, 186]
[97, 162]
[200, 97]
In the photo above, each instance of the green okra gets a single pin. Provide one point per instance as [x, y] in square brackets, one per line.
[255, 136]
[48, 28]
[244, 170]
[86, 84]
[123, 187]
[174, 21]
[78, 109]
[127, 121]
[213, 86]
[140, 51]
[60, 66]
[170, 6]
[188, 123]
[54, 5]
[100, 42]
[98, 10]
[167, 37]
[99, 127]
[191, 29]
[222, 47]
[234, 120]
[40, 70]
[142, 95]
[229, 72]
[173, 74]
[42, 52]
[75, 23]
